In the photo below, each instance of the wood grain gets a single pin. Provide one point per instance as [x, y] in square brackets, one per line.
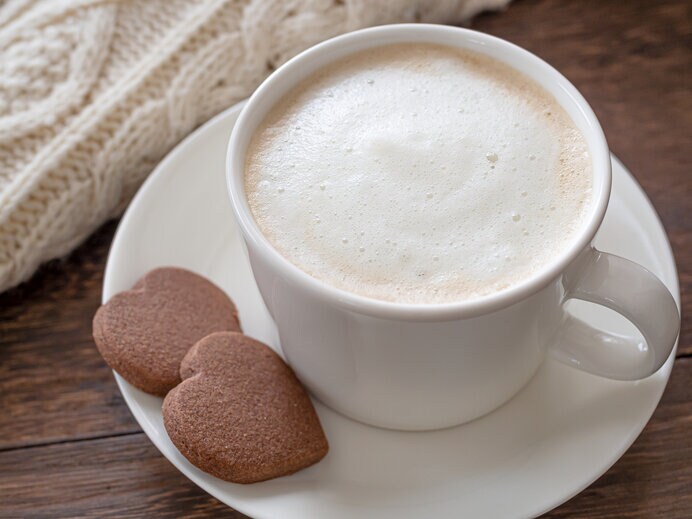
[121, 476]
[68, 446]
[53, 384]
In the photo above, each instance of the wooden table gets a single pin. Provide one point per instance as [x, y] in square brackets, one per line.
[69, 446]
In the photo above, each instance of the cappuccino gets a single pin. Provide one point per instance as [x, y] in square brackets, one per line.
[418, 173]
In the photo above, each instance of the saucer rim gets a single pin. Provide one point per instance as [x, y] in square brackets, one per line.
[153, 434]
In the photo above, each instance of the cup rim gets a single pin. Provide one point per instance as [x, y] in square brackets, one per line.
[475, 41]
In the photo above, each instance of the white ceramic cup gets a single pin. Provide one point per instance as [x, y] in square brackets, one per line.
[416, 366]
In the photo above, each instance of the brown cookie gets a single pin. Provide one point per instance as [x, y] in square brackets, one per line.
[240, 413]
[145, 332]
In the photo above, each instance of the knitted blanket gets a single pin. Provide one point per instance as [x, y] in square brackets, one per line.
[93, 93]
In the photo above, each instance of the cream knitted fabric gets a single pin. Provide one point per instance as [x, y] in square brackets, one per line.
[94, 93]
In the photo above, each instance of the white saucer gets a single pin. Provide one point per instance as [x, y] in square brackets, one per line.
[563, 431]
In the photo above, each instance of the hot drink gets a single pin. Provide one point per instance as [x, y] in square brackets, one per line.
[419, 173]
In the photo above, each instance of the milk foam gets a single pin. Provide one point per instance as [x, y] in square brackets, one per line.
[419, 174]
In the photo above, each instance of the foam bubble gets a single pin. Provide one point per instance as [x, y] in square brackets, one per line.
[457, 202]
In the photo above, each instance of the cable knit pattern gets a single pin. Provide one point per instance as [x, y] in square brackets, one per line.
[94, 93]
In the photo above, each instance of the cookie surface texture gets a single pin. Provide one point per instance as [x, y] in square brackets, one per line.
[144, 333]
[240, 413]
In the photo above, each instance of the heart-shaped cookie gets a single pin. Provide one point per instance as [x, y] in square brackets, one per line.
[145, 332]
[240, 413]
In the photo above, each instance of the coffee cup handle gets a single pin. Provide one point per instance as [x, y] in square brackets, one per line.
[630, 290]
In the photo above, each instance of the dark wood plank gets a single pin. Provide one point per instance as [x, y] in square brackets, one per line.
[53, 383]
[632, 61]
[127, 477]
[681, 242]
[121, 476]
